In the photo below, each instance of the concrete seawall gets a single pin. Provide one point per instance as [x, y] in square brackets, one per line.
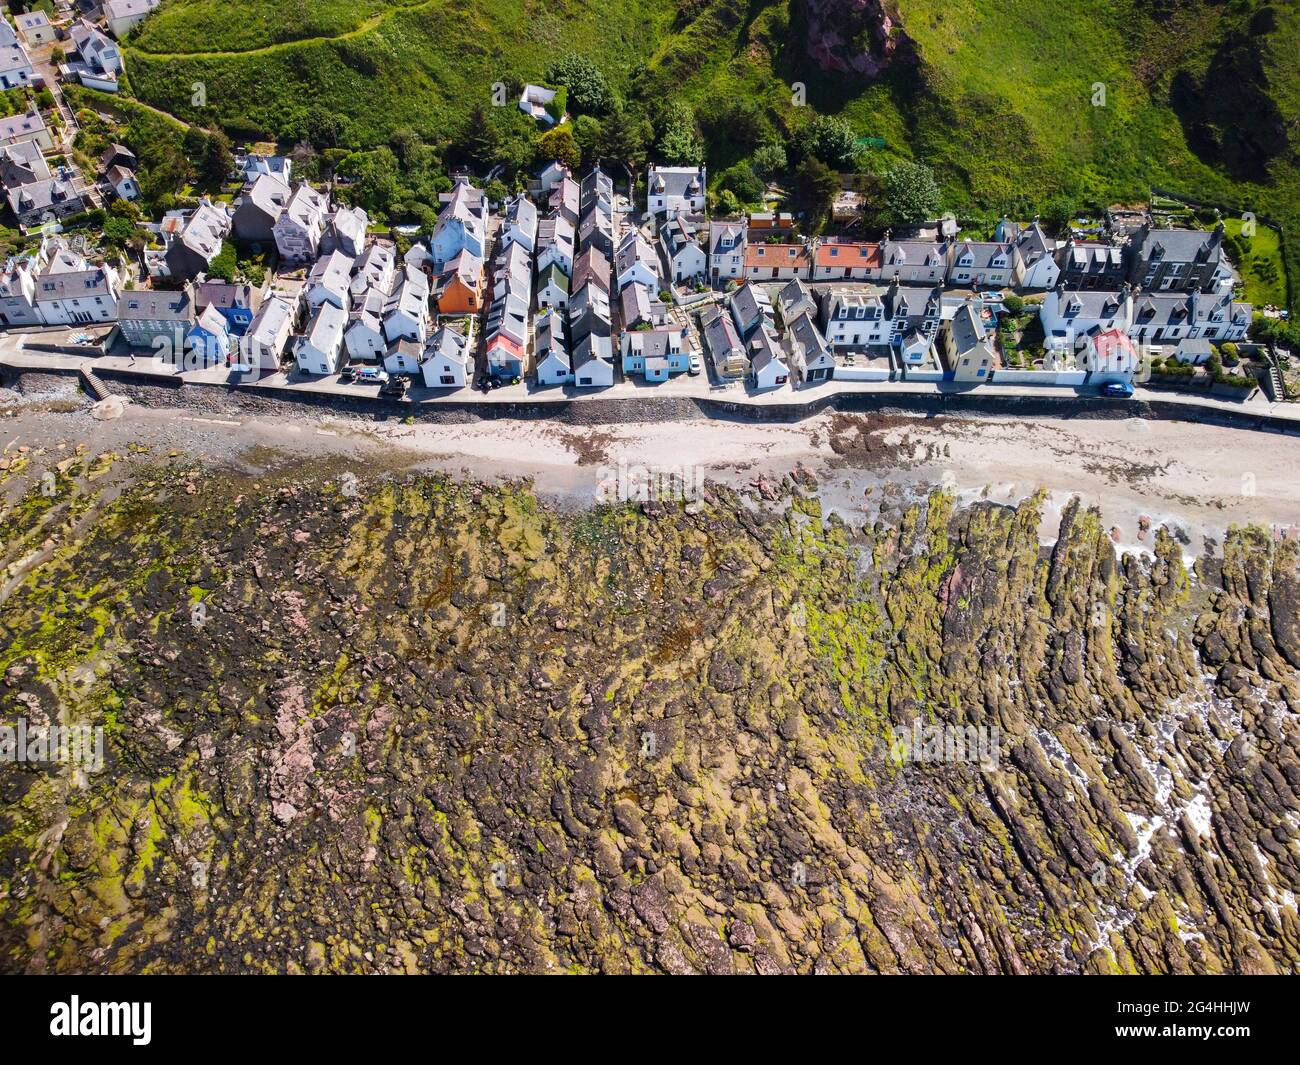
[153, 390]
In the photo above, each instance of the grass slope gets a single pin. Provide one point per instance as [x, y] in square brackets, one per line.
[1001, 101]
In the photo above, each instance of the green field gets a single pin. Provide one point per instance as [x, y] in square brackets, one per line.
[1014, 102]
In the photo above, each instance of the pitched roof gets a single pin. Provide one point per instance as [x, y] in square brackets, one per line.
[782, 255]
[849, 256]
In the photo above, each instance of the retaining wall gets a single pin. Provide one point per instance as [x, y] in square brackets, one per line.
[154, 391]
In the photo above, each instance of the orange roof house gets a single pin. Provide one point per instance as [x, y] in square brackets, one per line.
[460, 287]
[835, 259]
[777, 261]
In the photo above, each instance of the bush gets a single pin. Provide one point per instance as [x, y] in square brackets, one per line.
[911, 193]
[830, 139]
[769, 159]
[588, 90]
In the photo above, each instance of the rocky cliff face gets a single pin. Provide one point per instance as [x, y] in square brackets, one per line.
[429, 726]
[849, 36]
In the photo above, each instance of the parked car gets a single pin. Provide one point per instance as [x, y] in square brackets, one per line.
[694, 366]
[371, 375]
[1117, 389]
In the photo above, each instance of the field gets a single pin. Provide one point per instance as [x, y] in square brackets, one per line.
[1014, 102]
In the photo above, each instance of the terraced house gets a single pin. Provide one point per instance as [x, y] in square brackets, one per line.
[837, 260]
[461, 226]
[157, 318]
[979, 264]
[726, 251]
[777, 262]
[1179, 260]
[71, 290]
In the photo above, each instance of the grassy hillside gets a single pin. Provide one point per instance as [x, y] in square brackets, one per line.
[1200, 96]
[419, 66]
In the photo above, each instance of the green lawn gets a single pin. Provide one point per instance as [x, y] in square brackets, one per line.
[1259, 259]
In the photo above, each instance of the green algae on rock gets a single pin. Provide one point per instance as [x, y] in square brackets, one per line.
[438, 726]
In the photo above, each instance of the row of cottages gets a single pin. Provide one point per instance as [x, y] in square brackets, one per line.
[1150, 318]
[461, 225]
[861, 317]
[755, 326]
[1151, 260]
[808, 358]
[210, 319]
[1026, 262]
[591, 328]
[366, 306]
[301, 222]
[457, 248]
[676, 190]
[961, 263]
[507, 323]
[573, 336]
[636, 279]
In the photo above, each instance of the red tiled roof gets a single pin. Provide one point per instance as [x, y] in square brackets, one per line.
[776, 255]
[849, 256]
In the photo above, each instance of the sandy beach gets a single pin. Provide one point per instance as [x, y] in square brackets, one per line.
[1197, 478]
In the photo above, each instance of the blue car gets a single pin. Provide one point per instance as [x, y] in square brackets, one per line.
[1117, 390]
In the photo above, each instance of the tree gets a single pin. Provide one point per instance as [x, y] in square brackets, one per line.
[815, 186]
[559, 144]
[1059, 212]
[406, 144]
[588, 90]
[744, 183]
[374, 179]
[677, 140]
[769, 159]
[118, 231]
[218, 159]
[623, 137]
[911, 193]
[588, 134]
[224, 266]
[739, 122]
[482, 138]
[832, 140]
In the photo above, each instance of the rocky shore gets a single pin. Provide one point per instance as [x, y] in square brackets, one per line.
[405, 723]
